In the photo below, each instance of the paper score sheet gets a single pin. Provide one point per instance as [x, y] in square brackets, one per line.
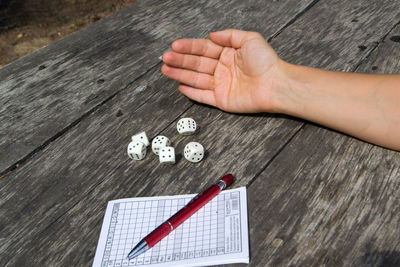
[216, 234]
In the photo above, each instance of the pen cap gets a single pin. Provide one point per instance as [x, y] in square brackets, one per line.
[228, 179]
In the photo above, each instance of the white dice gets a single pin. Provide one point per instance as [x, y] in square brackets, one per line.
[158, 143]
[167, 155]
[194, 152]
[136, 150]
[141, 137]
[161, 145]
[186, 126]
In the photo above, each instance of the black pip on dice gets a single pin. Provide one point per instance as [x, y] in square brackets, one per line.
[158, 143]
[186, 126]
[167, 155]
[194, 152]
[136, 150]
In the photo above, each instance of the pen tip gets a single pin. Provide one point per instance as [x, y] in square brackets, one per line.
[140, 248]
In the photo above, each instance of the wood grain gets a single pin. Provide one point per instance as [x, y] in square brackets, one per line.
[90, 66]
[330, 200]
[52, 206]
[61, 172]
[149, 178]
[386, 57]
[357, 26]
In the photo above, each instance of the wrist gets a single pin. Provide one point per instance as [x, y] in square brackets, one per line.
[288, 89]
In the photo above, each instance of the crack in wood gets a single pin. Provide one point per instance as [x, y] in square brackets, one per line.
[23, 160]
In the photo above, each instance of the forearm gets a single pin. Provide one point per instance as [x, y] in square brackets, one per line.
[366, 106]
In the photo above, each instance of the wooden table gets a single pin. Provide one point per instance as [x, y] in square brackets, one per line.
[316, 197]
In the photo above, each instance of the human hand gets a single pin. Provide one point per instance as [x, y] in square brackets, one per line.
[236, 71]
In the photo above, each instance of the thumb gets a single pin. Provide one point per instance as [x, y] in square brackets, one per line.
[233, 38]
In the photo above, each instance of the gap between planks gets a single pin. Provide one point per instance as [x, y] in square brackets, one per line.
[275, 155]
[375, 47]
[17, 164]
[293, 20]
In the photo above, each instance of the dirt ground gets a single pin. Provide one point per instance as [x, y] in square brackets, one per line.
[26, 25]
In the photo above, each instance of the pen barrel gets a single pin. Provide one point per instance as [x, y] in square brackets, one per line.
[157, 234]
[194, 205]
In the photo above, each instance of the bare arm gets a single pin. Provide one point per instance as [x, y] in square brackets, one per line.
[366, 106]
[238, 71]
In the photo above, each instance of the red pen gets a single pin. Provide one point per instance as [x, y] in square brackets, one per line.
[169, 225]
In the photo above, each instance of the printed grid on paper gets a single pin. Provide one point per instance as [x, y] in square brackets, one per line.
[202, 235]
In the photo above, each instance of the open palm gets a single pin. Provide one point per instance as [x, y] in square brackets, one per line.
[234, 70]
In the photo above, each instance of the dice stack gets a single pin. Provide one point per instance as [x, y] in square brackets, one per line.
[161, 145]
[137, 148]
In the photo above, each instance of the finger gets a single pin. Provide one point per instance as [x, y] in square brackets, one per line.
[199, 47]
[191, 78]
[199, 95]
[233, 38]
[190, 62]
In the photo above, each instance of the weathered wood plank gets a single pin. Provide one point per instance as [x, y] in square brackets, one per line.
[386, 57]
[81, 71]
[90, 66]
[50, 200]
[62, 172]
[286, 10]
[150, 178]
[72, 230]
[313, 42]
[328, 199]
